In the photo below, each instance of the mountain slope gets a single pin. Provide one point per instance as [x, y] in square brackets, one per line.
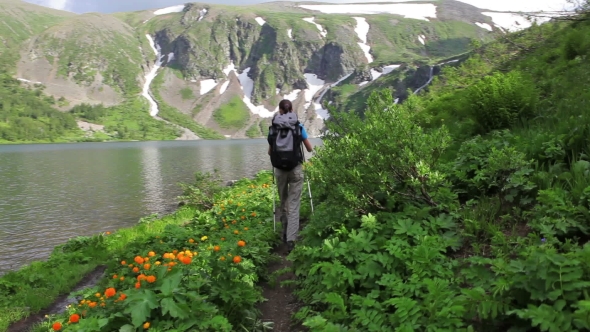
[91, 58]
[19, 21]
[191, 61]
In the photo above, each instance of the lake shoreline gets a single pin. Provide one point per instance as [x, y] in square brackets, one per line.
[57, 276]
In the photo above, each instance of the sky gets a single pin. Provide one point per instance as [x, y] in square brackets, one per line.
[111, 6]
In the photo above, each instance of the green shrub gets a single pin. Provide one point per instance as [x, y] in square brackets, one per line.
[500, 100]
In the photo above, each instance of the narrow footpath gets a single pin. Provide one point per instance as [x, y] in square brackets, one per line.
[281, 304]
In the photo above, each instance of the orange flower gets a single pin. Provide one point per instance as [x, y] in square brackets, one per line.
[222, 239]
[115, 276]
[233, 222]
[122, 297]
[175, 251]
[110, 292]
[146, 325]
[222, 258]
[138, 259]
[151, 254]
[136, 269]
[191, 240]
[122, 278]
[242, 217]
[123, 263]
[236, 232]
[92, 304]
[245, 228]
[253, 214]
[216, 248]
[146, 266]
[141, 277]
[151, 279]
[130, 265]
[137, 285]
[241, 243]
[237, 259]
[74, 318]
[158, 263]
[186, 260]
[56, 326]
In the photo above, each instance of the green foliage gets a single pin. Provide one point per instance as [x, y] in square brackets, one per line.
[213, 291]
[254, 130]
[186, 93]
[502, 243]
[500, 100]
[201, 193]
[28, 115]
[234, 114]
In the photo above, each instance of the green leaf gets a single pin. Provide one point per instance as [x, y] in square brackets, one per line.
[170, 306]
[140, 306]
[127, 328]
[171, 282]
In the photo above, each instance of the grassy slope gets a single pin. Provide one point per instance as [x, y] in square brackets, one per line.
[234, 114]
[90, 44]
[507, 247]
[173, 115]
[21, 20]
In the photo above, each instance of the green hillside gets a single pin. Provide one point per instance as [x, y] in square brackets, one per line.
[465, 208]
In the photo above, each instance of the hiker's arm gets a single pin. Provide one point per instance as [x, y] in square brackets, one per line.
[307, 145]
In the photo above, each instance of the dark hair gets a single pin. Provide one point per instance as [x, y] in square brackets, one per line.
[286, 106]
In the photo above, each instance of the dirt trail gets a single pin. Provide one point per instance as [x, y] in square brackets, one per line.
[281, 304]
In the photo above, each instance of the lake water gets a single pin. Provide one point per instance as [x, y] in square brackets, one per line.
[52, 192]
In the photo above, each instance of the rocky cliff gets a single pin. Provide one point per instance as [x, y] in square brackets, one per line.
[225, 68]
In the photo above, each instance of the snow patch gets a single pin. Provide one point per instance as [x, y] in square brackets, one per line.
[170, 56]
[320, 28]
[290, 33]
[509, 21]
[168, 10]
[202, 14]
[315, 84]
[27, 81]
[389, 69]
[149, 77]
[415, 11]
[223, 87]
[422, 39]
[484, 26]
[207, 85]
[247, 87]
[362, 29]
[260, 21]
[363, 83]
[293, 95]
[231, 67]
[375, 74]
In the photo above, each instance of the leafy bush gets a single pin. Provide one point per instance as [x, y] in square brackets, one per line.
[201, 193]
[500, 100]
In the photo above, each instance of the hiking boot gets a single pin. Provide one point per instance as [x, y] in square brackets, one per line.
[290, 246]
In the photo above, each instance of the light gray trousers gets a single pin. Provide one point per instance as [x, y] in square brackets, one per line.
[290, 184]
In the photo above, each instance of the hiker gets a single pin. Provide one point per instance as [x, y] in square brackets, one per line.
[285, 136]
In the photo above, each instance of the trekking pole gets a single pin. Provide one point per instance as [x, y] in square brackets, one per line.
[308, 186]
[274, 211]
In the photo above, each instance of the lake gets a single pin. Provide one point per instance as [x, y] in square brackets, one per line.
[52, 192]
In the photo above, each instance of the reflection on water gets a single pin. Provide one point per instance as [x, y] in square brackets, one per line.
[152, 174]
[52, 192]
